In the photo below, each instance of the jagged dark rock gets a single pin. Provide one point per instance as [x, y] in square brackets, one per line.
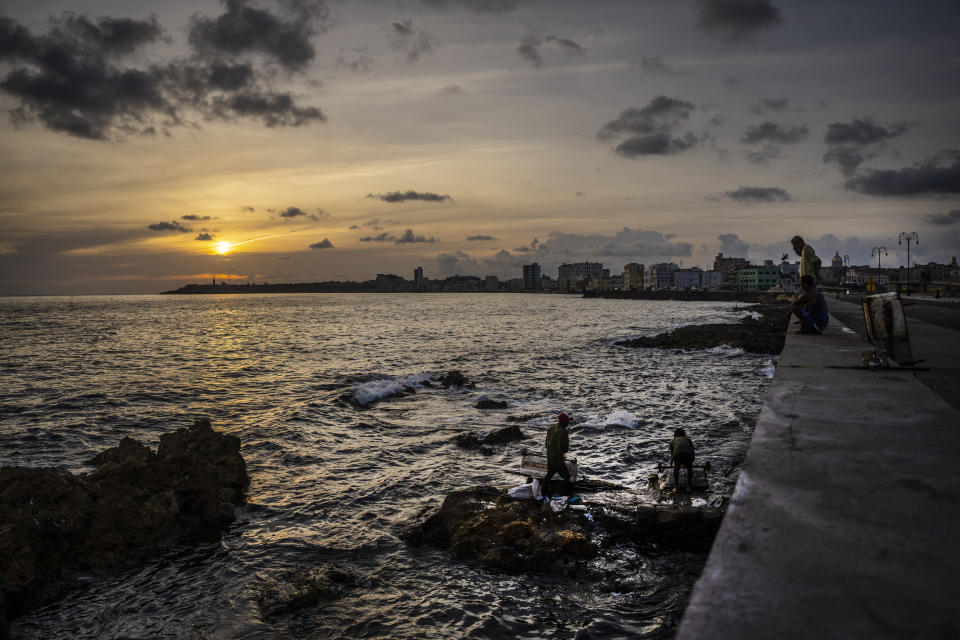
[489, 403]
[473, 440]
[453, 379]
[764, 335]
[485, 524]
[527, 417]
[56, 527]
[296, 590]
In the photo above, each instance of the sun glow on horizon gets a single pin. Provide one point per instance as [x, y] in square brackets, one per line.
[223, 248]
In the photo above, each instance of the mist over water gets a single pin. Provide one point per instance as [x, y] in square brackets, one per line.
[339, 462]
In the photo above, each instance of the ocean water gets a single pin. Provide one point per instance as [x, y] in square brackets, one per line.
[340, 461]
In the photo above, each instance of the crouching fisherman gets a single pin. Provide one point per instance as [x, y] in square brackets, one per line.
[810, 307]
[681, 454]
[558, 443]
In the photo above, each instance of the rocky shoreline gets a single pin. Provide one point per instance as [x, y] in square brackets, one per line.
[763, 330]
[60, 531]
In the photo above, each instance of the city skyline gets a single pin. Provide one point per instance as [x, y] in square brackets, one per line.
[148, 145]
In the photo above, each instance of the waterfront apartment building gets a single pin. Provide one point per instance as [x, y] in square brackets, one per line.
[728, 268]
[531, 277]
[660, 275]
[633, 276]
[577, 275]
[688, 278]
[760, 277]
[418, 280]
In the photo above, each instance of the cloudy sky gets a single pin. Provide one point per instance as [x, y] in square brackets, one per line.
[145, 145]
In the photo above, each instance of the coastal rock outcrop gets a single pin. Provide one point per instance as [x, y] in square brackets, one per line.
[514, 535]
[490, 403]
[56, 527]
[473, 440]
[453, 379]
[763, 334]
[296, 590]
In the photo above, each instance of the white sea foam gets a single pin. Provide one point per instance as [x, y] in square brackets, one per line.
[769, 369]
[366, 392]
[726, 350]
[698, 502]
[619, 418]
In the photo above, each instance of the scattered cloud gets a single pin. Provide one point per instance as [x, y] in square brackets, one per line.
[248, 210]
[204, 236]
[193, 216]
[940, 174]
[531, 48]
[296, 212]
[323, 244]
[758, 194]
[651, 128]
[732, 245]
[952, 217]
[450, 90]
[383, 237]
[478, 6]
[736, 20]
[652, 64]
[86, 78]
[410, 41]
[407, 237]
[480, 238]
[173, 225]
[403, 196]
[770, 104]
[360, 61]
[853, 143]
[772, 132]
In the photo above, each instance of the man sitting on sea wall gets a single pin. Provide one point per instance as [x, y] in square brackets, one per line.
[810, 307]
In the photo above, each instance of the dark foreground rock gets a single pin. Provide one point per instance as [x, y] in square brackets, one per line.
[453, 379]
[764, 335]
[473, 440]
[485, 524]
[296, 590]
[56, 527]
[490, 403]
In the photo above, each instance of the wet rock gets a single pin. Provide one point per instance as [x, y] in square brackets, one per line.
[485, 524]
[473, 440]
[453, 379]
[56, 527]
[527, 417]
[764, 335]
[296, 590]
[489, 403]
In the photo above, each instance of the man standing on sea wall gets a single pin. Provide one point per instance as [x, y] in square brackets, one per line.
[809, 262]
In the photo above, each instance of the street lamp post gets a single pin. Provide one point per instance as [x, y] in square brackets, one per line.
[878, 251]
[908, 236]
[846, 267]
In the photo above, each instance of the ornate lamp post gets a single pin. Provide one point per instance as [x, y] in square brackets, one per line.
[846, 267]
[878, 251]
[908, 236]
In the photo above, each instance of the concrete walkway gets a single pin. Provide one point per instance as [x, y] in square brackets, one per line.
[845, 522]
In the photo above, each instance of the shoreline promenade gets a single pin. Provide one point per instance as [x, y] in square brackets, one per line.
[845, 521]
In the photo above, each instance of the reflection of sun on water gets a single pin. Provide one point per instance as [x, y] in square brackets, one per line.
[222, 247]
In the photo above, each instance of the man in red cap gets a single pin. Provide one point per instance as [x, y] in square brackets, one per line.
[558, 442]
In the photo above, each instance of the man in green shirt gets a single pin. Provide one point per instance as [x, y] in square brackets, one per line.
[558, 442]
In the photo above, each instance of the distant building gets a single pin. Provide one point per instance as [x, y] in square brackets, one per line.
[418, 279]
[711, 279]
[660, 275]
[577, 276]
[531, 277]
[728, 268]
[633, 276]
[761, 277]
[491, 283]
[462, 283]
[688, 278]
[388, 282]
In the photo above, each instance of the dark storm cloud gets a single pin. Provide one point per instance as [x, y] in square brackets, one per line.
[409, 236]
[935, 175]
[403, 196]
[79, 79]
[410, 41]
[772, 132]
[243, 29]
[204, 236]
[736, 20]
[323, 244]
[531, 44]
[657, 144]
[173, 225]
[361, 62]
[863, 131]
[478, 6]
[479, 238]
[662, 114]
[770, 104]
[732, 245]
[853, 143]
[193, 216]
[951, 217]
[758, 194]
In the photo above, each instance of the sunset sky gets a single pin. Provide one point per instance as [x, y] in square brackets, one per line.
[146, 145]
